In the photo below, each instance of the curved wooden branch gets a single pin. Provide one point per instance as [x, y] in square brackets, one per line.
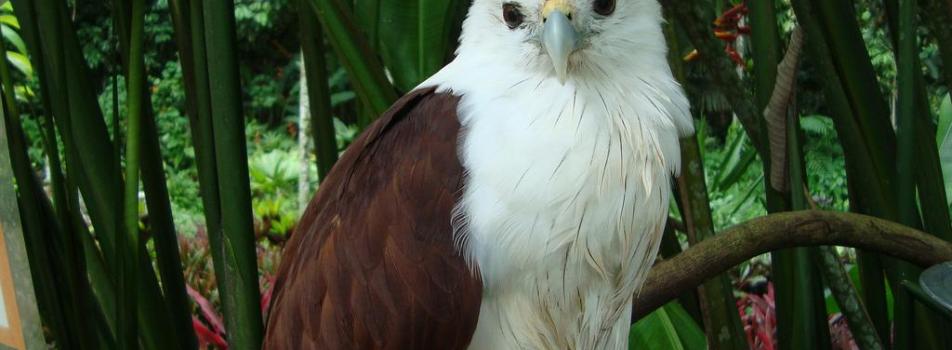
[672, 277]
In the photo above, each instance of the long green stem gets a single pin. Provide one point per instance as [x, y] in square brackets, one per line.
[127, 334]
[365, 70]
[907, 64]
[322, 120]
[242, 313]
[846, 297]
[47, 32]
[190, 32]
[721, 321]
[807, 316]
[867, 191]
[38, 240]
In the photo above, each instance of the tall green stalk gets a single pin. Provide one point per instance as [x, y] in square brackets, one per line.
[128, 244]
[670, 246]
[766, 52]
[52, 304]
[867, 174]
[162, 226]
[801, 320]
[806, 320]
[190, 37]
[366, 72]
[165, 239]
[905, 132]
[242, 312]
[92, 167]
[164, 318]
[47, 32]
[721, 321]
[912, 316]
[322, 119]
[78, 117]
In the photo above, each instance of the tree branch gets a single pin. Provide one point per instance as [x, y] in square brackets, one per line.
[670, 278]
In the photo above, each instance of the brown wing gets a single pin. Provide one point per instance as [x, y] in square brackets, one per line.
[372, 264]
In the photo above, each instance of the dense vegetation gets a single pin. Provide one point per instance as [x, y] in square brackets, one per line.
[293, 128]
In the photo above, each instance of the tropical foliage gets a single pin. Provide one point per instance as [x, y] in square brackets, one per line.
[162, 150]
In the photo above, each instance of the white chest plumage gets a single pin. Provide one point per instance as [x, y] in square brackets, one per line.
[565, 199]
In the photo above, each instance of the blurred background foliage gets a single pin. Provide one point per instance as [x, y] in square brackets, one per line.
[362, 55]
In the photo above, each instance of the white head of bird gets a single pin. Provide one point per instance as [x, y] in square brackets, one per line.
[568, 39]
[570, 124]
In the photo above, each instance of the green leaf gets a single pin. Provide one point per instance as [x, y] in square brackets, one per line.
[320, 100]
[718, 310]
[127, 246]
[20, 62]
[14, 38]
[860, 115]
[735, 164]
[241, 298]
[10, 20]
[670, 327]
[413, 38]
[720, 315]
[365, 70]
[818, 125]
[944, 141]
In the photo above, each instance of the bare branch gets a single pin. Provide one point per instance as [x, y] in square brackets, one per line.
[670, 278]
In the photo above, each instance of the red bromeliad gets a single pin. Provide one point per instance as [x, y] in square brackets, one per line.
[758, 314]
[728, 27]
[211, 332]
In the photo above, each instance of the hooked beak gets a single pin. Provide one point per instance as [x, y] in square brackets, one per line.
[559, 38]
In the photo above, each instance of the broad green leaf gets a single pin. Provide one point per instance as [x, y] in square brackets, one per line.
[367, 13]
[14, 38]
[242, 313]
[10, 20]
[857, 281]
[689, 332]
[669, 327]
[318, 92]
[20, 62]
[818, 125]
[742, 202]
[366, 73]
[342, 97]
[735, 164]
[944, 140]
[413, 38]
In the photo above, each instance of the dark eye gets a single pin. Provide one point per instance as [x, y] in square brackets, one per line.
[604, 7]
[512, 14]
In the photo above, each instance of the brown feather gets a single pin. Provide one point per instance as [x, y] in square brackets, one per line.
[372, 264]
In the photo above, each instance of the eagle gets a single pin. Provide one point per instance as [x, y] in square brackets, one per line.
[514, 200]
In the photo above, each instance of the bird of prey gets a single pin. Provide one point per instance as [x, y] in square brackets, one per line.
[514, 200]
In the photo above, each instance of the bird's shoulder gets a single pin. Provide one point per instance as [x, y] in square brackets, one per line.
[372, 263]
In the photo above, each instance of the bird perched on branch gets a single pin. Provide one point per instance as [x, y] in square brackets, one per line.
[516, 199]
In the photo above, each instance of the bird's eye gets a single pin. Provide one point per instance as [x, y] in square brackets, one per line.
[604, 7]
[512, 14]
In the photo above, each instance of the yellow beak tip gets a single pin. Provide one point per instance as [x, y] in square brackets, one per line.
[556, 5]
